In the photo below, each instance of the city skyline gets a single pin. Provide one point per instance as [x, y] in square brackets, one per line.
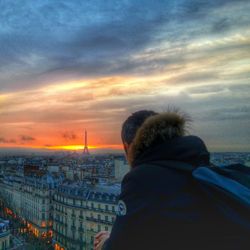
[75, 65]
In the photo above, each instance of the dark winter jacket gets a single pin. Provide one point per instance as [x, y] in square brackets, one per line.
[162, 207]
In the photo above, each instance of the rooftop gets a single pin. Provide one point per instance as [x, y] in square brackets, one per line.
[101, 192]
[4, 227]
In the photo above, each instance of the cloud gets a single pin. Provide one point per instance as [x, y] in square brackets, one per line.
[27, 138]
[69, 136]
[49, 41]
[238, 113]
[7, 141]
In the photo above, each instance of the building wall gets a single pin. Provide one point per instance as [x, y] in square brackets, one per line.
[32, 203]
[121, 169]
[73, 219]
[77, 220]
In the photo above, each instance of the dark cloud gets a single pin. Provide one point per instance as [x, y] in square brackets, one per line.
[240, 113]
[69, 136]
[206, 89]
[239, 89]
[43, 40]
[26, 138]
[78, 38]
[6, 141]
[221, 25]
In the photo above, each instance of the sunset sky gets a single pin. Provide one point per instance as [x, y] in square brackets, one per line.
[66, 66]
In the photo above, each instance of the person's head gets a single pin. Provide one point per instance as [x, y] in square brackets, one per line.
[132, 124]
[144, 129]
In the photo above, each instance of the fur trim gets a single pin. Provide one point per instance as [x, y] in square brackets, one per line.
[163, 126]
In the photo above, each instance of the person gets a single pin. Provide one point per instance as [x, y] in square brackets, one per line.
[161, 206]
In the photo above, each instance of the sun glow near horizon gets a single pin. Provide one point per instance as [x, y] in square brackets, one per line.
[81, 147]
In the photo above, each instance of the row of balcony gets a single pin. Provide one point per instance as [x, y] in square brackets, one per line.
[68, 240]
[99, 220]
[91, 208]
[101, 210]
[80, 229]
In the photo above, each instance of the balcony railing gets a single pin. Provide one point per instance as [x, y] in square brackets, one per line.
[60, 222]
[102, 210]
[99, 220]
[69, 239]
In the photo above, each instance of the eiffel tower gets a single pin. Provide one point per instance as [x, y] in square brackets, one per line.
[86, 149]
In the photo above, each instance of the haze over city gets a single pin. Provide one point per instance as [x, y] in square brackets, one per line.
[69, 66]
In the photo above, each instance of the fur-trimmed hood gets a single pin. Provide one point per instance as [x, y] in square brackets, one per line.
[165, 128]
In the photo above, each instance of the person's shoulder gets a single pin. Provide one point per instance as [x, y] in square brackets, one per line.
[145, 177]
[154, 178]
[136, 178]
[138, 174]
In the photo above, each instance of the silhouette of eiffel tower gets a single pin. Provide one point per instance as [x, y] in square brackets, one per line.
[86, 149]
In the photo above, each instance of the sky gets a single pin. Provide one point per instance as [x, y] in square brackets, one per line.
[67, 66]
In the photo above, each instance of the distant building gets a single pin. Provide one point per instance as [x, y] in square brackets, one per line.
[121, 168]
[4, 234]
[53, 169]
[247, 163]
[33, 170]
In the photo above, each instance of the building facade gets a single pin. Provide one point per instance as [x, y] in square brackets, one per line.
[30, 199]
[82, 211]
[66, 212]
[121, 168]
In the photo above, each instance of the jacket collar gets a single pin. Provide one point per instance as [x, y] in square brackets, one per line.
[186, 149]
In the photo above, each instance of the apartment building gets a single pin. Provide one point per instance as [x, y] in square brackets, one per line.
[30, 198]
[80, 212]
